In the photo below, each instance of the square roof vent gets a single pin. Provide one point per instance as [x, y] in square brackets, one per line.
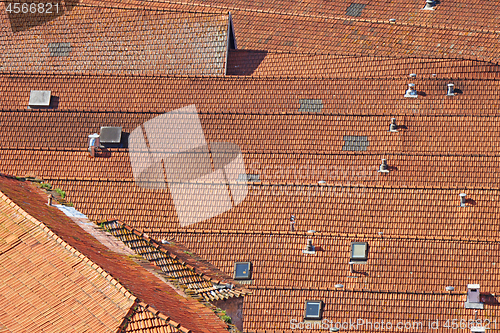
[359, 252]
[39, 98]
[355, 9]
[111, 134]
[313, 310]
[311, 105]
[59, 49]
[242, 270]
[355, 143]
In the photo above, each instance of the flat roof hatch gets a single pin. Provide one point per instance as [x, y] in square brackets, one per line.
[40, 98]
[111, 134]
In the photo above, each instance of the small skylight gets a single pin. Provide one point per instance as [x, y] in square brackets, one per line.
[359, 252]
[39, 98]
[243, 177]
[313, 310]
[242, 270]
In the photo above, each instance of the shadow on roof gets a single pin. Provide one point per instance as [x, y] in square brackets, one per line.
[244, 62]
[48, 12]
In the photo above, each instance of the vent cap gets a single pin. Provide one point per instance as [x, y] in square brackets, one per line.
[429, 5]
[411, 91]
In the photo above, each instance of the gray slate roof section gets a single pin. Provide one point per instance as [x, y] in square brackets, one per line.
[59, 49]
[355, 9]
[311, 105]
[355, 143]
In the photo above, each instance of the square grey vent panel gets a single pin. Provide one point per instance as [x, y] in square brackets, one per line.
[355, 143]
[39, 98]
[355, 9]
[59, 49]
[111, 134]
[248, 177]
[311, 105]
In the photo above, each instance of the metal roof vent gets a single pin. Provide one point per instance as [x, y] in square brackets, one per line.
[451, 89]
[450, 288]
[309, 247]
[429, 5]
[473, 297]
[413, 75]
[384, 167]
[111, 134]
[39, 98]
[338, 285]
[462, 199]
[478, 329]
[292, 223]
[94, 144]
[393, 127]
[411, 91]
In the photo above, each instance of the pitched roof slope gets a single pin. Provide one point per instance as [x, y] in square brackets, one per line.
[170, 305]
[354, 96]
[361, 28]
[288, 65]
[46, 285]
[460, 15]
[105, 40]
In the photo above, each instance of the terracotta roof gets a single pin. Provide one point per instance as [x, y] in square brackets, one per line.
[146, 319]
[48, 285]
[174, 307]
[108, 40]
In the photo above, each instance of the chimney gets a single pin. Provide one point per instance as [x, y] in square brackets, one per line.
[384, 167]
[310, 246]
[411, 91]
[451, 89]
[93, 144]
[393, 127]
[462, 199]
[49, 202]
[473, 297]
[429, 5]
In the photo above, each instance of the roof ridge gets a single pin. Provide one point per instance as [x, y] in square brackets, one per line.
[68, 247]
[156, 313]
[362, 290]
[155, 244]
[331, 234]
